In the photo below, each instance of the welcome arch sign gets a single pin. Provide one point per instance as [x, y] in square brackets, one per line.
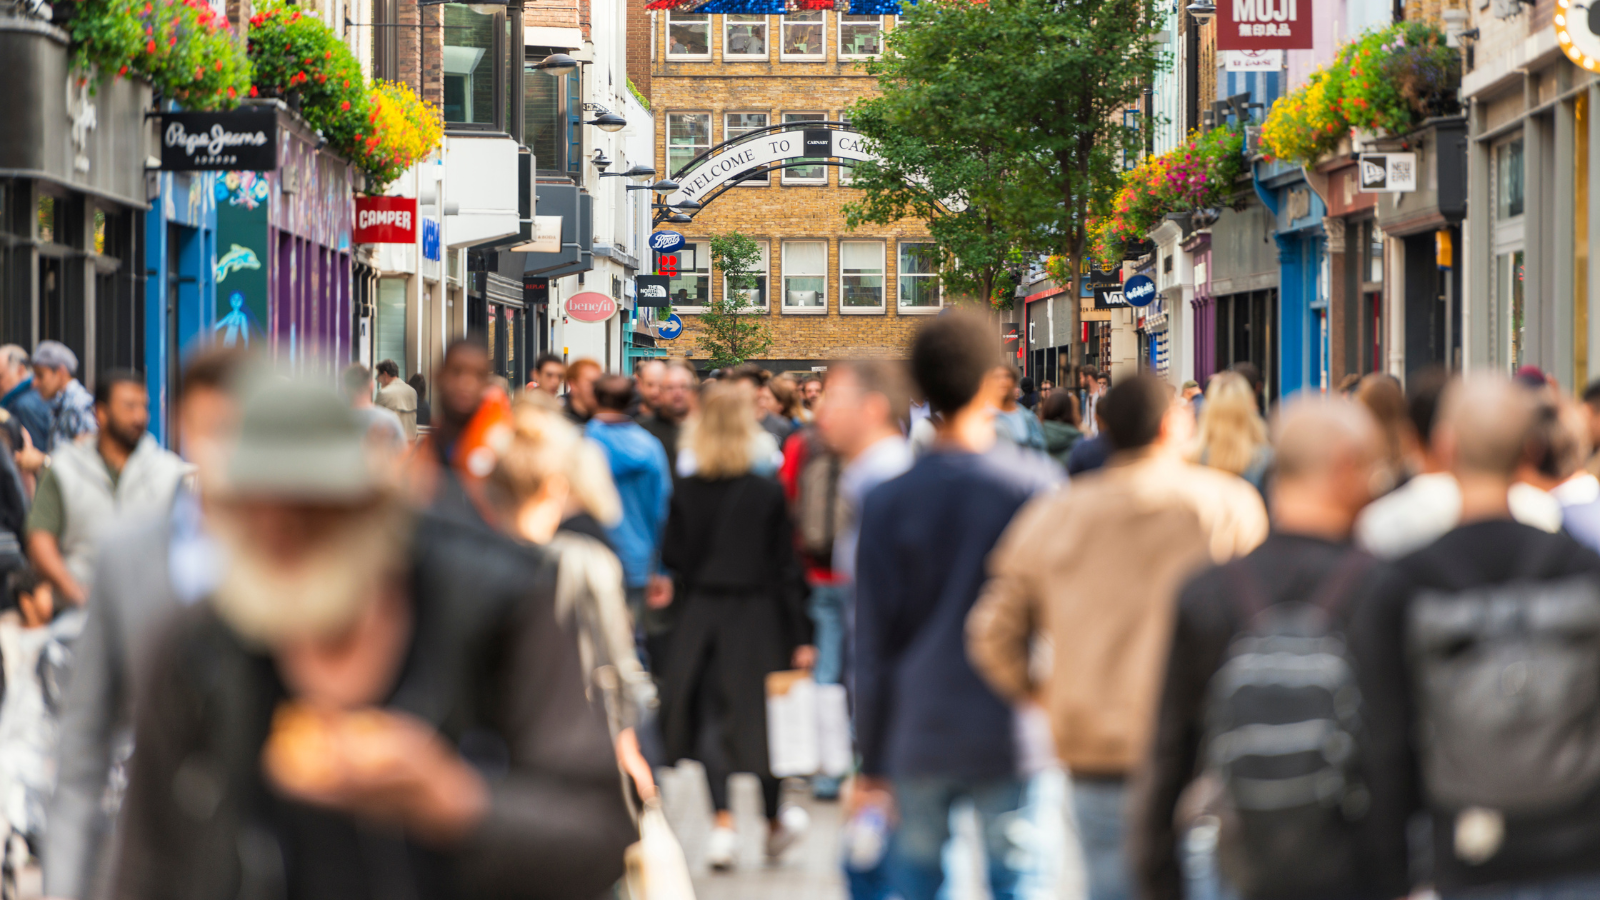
[705, 177]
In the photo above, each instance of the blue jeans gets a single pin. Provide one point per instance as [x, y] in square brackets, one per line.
[1097, 805]
[1586, 887]
[827, 614]
[916, 861]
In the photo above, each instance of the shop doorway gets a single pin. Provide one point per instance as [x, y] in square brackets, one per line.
[1247, 326]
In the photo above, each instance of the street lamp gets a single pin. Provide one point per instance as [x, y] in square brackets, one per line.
[679, 219]
[557, 65]
[690, 206]
[600, 161]
[607, 121]
[636, 171]
[664, 186]
[1202, 10]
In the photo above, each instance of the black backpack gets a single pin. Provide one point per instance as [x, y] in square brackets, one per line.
[1283, 738]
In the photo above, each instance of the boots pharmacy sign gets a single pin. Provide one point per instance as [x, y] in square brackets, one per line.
[1264, 24]
[385, 220]
[742, 156]
[244, 140]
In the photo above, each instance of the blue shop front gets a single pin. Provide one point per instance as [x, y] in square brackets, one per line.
[183, 266]
[1302, 291]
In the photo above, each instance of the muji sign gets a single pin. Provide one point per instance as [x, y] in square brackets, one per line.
[589, 306]
[1264, 24]
[386, 220]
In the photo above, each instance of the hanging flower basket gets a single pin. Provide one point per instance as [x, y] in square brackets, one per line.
[1195, 175]
[185, 50]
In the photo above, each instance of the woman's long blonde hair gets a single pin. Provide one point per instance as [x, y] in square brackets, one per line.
[1231, 429]
[541, 445]
[721, 435]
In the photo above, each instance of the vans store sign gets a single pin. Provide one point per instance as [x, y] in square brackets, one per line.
[242, 140]
[1264, 24]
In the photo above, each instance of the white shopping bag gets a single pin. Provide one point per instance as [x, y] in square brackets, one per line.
[792, 746]
[656, 869]
[833, 731]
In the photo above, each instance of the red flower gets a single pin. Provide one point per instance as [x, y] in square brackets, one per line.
[232, 93]
[253, 92]
[347, 82]
[345, 105]
[123, 71]
[150, 47]
[219, 65]
[328, 55]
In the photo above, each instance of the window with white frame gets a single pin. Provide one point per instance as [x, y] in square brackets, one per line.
[688, 136]
[744, 36]
[691, 287]
[689, 35]
[860, 275]
[847, 166]
[803, 35]
[754, 297]
[736, 125]
[798, 174]
[860, 36]
[805, 276]
[919, 276]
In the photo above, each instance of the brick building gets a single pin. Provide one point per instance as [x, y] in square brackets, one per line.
[829, 292]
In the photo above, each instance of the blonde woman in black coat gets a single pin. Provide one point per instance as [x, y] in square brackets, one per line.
[741, 614]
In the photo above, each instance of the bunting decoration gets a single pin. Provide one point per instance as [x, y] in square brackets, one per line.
[779, 7]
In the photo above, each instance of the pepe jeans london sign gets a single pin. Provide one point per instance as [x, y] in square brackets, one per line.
[242, 140]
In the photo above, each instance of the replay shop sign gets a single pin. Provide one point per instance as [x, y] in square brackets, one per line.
[242, 140]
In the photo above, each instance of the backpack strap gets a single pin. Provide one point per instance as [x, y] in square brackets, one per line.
[1335, 588]
[1249, 597]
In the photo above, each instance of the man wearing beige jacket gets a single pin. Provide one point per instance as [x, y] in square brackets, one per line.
[1096, 572]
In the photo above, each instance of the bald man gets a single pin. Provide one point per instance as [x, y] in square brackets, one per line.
[1326, 452]
[1478, 662]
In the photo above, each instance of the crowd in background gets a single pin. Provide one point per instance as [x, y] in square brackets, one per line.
[437, 642]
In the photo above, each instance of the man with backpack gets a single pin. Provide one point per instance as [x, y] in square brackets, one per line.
[1236, 696]
[1480, 662]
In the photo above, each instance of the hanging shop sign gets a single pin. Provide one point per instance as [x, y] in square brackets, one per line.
[1387, 172]
[669, 329]
[1578, 33]
[651, 290]
[430, 238]
[665, 241]
[739, 157]
[1139, 290]
[1264, 24]
[385, 220]
[590, 306]
[240, 140]
[1253, 60]
[1110, 298]
[1104, 275]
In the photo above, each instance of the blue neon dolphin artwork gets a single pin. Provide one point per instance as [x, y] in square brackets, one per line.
[237, 324]
[235, 259]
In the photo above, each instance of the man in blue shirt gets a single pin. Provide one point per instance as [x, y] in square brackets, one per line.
[19, 398]
[639, 468]
[55, 369]
[930, 731]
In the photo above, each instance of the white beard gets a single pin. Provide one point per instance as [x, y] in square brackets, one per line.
[322, 597]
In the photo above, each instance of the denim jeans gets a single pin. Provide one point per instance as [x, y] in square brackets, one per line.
[1097, 806]
[1586, 887]
[826, 608]
[916, 861]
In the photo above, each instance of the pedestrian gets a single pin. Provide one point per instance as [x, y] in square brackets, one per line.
[1233, 436]
[123, 472]
[419, 383]
[36, 659]
[1046, 388]
[1059, 423]
[1383, 396]
[581, 376]
[811, 394]
[1027, 397]
[14, 493]
[1093, 388]
[146, 568]
[1241, 617]
[930, 733]
[549, 371]
[1090, 453]
[1251, 373]
[673, 403]
[72, 415]
[383, 428]
[1050, 577]
[1469, 658]
[438, 474]
[859, 419]
[1014, 422]
[1428, 504]
[349, 663]
[742, 614]
[647, 377]
[768, 413]
[21, 399]
[787, 400]
[643, 481]
[398, 397]
[545, 471]
[1558, 447]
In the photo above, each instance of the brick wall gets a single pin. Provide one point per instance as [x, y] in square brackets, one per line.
[639, 46]
[778, 212]
[432, 69]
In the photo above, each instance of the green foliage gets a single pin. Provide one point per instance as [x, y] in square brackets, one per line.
[1386, 81]
[728, 335]
[303, 62]
[637, 95]
[186, 51]
[1007, 114]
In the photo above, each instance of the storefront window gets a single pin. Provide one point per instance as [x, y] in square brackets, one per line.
[805, 275]
[544, 127]
[1509, 276]
[1508, 167]
[861, 274]
[688, 136]
[468, 66]
[692, 286]
[744, 36]
[689, 35]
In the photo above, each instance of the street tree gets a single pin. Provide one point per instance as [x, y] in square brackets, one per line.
[1018, 101]
[729, 334]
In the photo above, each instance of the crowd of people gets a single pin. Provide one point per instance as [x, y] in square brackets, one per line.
[348, 636]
